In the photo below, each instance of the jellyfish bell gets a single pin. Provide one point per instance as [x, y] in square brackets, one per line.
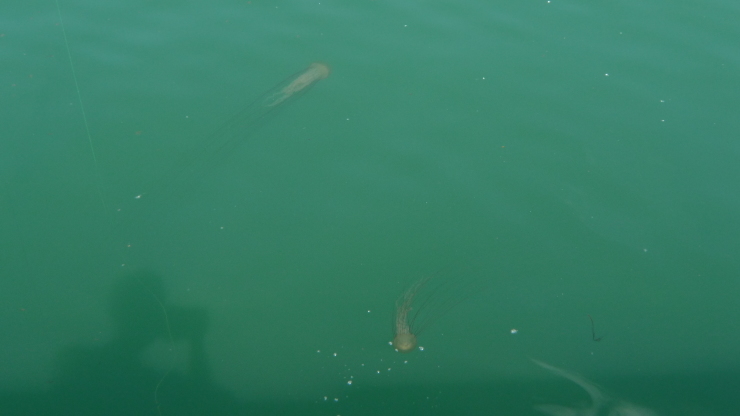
[404, 342]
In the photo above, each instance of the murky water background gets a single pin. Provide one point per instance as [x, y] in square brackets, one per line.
[571, 159]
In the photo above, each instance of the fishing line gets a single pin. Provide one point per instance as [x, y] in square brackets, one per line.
[82, 107]
[105, 206]
[219, 142]
[171, 339]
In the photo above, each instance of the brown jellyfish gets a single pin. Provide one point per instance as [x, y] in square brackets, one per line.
[414, 313]
[299, 82]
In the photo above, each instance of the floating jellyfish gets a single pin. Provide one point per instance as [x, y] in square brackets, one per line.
[315, 72]
[225, 138]
[249, 119]
[284, 92]
[405, 339]
[415, 314]
[177, 178]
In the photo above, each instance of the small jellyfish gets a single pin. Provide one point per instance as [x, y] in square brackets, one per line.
[241, 125]
[299, 82]
[405, 340]
[435, 302]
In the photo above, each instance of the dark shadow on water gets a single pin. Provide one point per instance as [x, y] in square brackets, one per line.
[115, 379]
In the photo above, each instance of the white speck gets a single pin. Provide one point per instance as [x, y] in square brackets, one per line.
[606, 75]
[514, 331]
[405, 361]
[421, 348]
[137, 196]
[326, 398]
[349, 382]
[336, 399]
[644, 250]
[318, 351]
[335, 354]
[368, 311]
[390, 342]
[389, 369]
[662, 101]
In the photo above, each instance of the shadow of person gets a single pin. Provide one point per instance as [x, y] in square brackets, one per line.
[118, 378]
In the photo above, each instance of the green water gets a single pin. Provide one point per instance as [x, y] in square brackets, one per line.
[559, 159]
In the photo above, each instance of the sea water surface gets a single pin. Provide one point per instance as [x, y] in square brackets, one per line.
[565, 159]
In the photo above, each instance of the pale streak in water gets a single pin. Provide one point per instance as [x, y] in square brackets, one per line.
[601, 404]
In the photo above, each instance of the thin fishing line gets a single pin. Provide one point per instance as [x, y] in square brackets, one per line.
[105, 207]
[172, 345]
[84, 115]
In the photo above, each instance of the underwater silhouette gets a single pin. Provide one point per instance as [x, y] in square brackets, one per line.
[115, 379]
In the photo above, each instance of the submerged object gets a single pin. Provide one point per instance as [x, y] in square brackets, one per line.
[601, 404]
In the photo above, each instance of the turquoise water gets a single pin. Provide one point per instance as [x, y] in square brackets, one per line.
[559, 159]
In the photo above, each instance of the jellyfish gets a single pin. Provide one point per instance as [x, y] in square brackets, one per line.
[418, 308]
[405, 340]
[250, 118]
[315, 72]
[178, 177]
[205, 154]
